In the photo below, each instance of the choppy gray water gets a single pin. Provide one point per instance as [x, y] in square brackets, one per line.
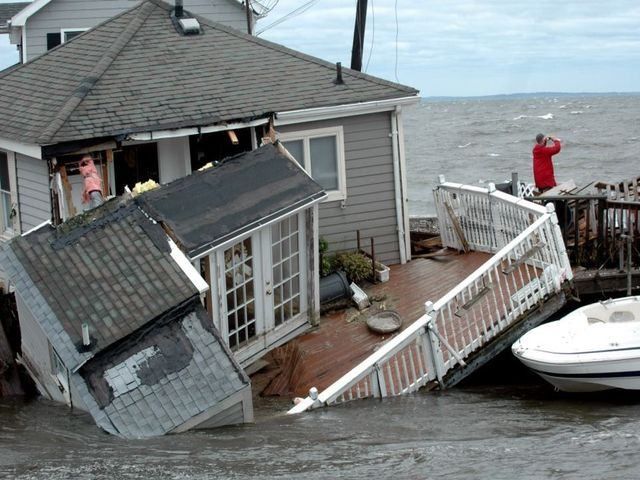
[512, 431]
[485, 139]
[525, 432]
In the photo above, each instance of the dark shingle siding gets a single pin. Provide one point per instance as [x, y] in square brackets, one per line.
[161, 79]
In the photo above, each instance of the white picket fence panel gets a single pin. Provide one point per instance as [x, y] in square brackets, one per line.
[529, 265]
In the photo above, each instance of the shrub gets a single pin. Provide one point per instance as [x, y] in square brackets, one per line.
[356, 265]
[326, 265]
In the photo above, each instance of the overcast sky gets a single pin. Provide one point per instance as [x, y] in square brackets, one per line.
[466, 47]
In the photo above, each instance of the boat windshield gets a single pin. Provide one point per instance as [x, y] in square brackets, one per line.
[623, 316]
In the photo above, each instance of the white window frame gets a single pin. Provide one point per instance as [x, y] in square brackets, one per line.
[63, 31]
[305, 136]
[8, 231]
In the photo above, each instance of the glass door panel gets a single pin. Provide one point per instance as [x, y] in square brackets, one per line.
[240, 294]
[285, 255]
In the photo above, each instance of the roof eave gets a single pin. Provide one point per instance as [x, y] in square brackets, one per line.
[346, 110]
[20, 18]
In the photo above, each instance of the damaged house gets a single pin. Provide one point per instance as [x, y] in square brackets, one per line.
[155, 94]
[112, 323]
[111, 309]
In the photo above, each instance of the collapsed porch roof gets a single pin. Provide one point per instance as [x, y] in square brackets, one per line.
[208, 208]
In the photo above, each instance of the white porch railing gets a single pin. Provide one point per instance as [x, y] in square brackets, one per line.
[529, 265]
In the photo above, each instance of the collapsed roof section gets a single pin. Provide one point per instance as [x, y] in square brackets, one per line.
[150, 361]
[207, 208]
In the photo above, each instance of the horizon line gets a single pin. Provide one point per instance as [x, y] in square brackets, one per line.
[520, 94]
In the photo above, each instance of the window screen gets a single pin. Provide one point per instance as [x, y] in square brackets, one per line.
[324, 161]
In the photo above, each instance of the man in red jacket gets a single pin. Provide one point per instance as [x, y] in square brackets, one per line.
[542, 163]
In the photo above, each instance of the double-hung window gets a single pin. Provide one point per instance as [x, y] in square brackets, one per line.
[321, 153]
[5, 195]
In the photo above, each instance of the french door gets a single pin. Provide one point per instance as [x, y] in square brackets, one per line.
[262, 286]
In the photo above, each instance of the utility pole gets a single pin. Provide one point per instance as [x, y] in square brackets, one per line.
[358, 35]
[247, 4]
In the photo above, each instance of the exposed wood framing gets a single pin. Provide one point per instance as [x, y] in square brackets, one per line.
[66, 187]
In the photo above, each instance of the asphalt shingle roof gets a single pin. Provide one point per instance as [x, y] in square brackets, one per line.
[210, 207]
[110, 268]
[7, 11]
[136, 73]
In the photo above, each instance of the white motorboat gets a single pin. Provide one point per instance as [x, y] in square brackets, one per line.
[593, 348]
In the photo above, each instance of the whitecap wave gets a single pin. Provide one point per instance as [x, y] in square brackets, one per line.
[562, 106]
[548, 116]
[494, 154]
[577, 112]
[520, 117]
[465, 145]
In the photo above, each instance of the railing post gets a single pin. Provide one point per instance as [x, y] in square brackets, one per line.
[382, 385]
[435, 360]
[558, 241]
[515, 184]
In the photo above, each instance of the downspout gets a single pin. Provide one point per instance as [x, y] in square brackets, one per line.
[403, 183]
[395, 147]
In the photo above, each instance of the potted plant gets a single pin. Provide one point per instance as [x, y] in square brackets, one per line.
[382, 272]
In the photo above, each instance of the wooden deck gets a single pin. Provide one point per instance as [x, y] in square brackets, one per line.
[322, 356]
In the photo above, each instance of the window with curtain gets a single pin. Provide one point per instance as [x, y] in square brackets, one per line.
[321, 153]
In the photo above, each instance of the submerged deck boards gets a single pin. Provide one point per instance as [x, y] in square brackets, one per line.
[322, 356]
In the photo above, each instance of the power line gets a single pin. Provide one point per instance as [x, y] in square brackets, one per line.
[294, 13]
[397, 34]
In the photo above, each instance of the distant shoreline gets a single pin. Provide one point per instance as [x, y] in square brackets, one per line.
[508, 96]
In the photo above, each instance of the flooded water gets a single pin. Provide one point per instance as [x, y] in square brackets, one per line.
[500, 432]
[521, 429]
[487, 138]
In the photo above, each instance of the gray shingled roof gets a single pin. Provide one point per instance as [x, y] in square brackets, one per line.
[153, 384]
[207, 208]
[109, 267]
[136, 73]
[7, 11]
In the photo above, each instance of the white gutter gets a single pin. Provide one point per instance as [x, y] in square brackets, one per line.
[348, 110]
[188, 269]
[398, 186]
[185, 132]
[27, 149]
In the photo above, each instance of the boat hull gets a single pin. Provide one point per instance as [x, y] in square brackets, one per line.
[588, 377]
[596, 347]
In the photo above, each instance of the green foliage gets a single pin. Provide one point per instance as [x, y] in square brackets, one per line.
[356, 265]
[326, 264]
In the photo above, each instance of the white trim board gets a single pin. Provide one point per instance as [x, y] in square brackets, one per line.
[30, 150]
[339, 111]
[20, 18]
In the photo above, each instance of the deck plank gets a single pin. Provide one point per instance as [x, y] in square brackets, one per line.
[323, 355]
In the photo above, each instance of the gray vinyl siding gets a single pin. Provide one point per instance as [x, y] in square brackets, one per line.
[81, 14]
[370, 205]
[35, 347]
[34, 202]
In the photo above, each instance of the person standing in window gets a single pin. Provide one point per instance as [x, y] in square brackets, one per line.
[542, 163]
[92, 193]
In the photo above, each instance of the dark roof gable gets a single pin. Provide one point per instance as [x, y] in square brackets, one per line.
[136, 73]
[110, 268]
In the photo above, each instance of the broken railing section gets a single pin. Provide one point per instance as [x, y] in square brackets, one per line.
[530, 267]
